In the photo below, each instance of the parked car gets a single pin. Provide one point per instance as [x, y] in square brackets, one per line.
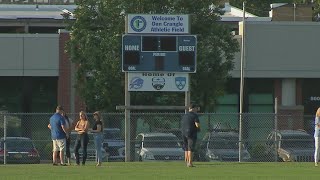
[19, 150]
[222, 146]
[113, 144]
[175, 131]
[158, 147]
[291, 145]
[91, 150]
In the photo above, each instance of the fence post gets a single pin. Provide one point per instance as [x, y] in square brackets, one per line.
[209, 123]
[276, 128]
[4, 138]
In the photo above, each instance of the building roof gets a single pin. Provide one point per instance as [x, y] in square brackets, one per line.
[235, 15]
[276, 5]
[18, 11]
[35, 11]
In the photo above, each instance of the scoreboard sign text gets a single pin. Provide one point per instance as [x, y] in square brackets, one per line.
[158, 24]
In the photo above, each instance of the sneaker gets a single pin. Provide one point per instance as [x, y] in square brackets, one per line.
[190, 165]
[316, 164]
[55, 164]
[63, 164]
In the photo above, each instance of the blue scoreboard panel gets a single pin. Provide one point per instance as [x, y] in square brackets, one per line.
[170, 53]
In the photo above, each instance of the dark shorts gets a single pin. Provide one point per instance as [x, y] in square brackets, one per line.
[189, 143]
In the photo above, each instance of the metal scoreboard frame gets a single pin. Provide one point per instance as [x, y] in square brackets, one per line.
[159, 53]
[156, 45]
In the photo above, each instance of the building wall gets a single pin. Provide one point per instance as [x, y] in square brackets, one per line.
[29, 54]
[37, 57]
[283, 51]
[67, 94]
[280, 50]
[289, 12]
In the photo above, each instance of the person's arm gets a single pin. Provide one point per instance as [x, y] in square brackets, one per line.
[76, 127]
[64, 129]
[62, 124]
[197, 125]
[317, 122]
[197, 122]
[49, 126]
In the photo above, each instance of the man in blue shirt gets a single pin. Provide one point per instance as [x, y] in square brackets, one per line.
[190, 126]
[58, 135]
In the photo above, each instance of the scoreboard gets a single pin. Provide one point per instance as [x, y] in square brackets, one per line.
[165, 53]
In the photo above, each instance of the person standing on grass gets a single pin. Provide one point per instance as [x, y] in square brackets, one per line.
[190, 126]
[97, 129]
[82, 140]
[316, 137]
[58, 135]
[70, 124]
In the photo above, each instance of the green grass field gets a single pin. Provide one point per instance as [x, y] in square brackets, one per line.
[163, 170]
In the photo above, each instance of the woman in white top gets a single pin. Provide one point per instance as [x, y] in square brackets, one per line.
[316, 137]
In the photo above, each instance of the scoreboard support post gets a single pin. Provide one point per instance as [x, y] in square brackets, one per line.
[127, 122]
[128, 107]
[156, 43]
[187, 98]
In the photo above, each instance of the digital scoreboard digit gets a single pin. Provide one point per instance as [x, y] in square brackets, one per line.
[171, 53]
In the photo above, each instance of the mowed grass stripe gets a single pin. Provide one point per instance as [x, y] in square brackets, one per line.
[164, 170]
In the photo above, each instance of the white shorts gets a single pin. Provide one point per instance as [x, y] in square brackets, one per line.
[58, 144]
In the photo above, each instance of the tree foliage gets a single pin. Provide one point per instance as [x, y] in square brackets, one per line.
[95, 47]
[262, 7]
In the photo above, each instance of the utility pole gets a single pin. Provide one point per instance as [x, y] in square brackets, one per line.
[294, 11]
[241, 82]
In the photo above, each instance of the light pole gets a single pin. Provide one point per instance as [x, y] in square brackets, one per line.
[241, 82]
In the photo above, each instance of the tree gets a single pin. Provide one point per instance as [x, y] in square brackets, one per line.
[262, 7]
[316, 10]
[95, 46]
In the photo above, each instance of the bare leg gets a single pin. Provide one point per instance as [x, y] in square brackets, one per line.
[186, 156]
[190, 158]
[54, 157]
[62, 157]
[316, 152]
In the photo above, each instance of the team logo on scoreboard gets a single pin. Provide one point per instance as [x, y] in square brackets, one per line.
[138, 23]
[180, 82]
[158, 83]
[136, 83]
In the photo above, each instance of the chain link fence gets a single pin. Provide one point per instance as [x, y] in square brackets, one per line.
[157, 136]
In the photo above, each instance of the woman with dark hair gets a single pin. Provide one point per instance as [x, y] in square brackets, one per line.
[69, 127]
[97, 129]
[82, 140]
